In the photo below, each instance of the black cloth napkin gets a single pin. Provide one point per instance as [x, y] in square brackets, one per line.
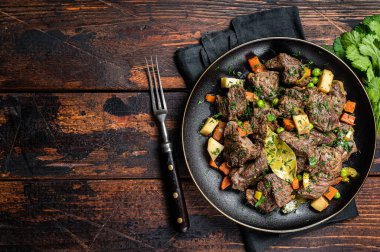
[280, 22]
[258, 241]
[193, 60]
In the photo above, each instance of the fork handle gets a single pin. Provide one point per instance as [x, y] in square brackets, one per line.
[174, 190]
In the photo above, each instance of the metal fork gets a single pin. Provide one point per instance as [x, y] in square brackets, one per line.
[173, 185]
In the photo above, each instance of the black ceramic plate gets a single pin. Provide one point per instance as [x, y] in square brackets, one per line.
[231, 203]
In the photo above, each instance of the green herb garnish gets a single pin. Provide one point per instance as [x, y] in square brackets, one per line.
[261, 200]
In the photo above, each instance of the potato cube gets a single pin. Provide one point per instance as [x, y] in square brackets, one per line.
[320, 204]
[209, 126]
[306, 179]
[302, 124]
[325, 81]
[214, 148]
[227, 82]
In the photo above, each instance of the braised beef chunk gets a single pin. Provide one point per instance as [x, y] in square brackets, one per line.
[301, 144]
[261, 119]
[268, 204]
[302, 164]
[237, 103]
[291, 67]
[347, 149]
[292, 101]
[326, 160]
[282, 191]
[238, 150]
[276, 191]
[324, 110]
[288, 106]
[244, 176]
[279, 62]
[222, 106]
[291, 74]
[265, 83]
[337, 90]
[275, 63]
[318, 186]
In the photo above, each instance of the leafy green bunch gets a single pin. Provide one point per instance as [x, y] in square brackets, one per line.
[361, 48]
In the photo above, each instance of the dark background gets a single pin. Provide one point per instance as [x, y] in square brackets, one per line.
[79, 163]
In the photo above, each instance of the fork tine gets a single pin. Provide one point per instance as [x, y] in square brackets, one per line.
[155, 85]
[160, 85]
[152, 97]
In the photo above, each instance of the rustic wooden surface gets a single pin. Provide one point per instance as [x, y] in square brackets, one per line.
[78, 151]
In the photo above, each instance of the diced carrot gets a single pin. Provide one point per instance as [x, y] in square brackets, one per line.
[338, 180]
[224, 168]
[288, 124]
[213, 164]
[226, 182]
[256, 65]
[296, 183]
[349, 119]
[245, 129]
[222, 124]
[247, 126]
[210, 98]
[250, 96]
[330, 193]
[242, 131]
[350, 106]
[218, 133]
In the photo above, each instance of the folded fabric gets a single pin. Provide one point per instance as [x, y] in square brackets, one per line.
[280, 22]
[192, 62]
[258, 241]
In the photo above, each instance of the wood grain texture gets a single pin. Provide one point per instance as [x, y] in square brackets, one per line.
[80, 171]
[86, 135]
[101, 45]
[70, 135]
[132, 215]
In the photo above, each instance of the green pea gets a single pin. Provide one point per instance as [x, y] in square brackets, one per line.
[343, 172]
[275, 102]
[311, 126]
[271, 117]
[310, 85]
[316, 72]
[299, 176]
[337, 195]
[260, 103]
[279, 130]
[315, 80]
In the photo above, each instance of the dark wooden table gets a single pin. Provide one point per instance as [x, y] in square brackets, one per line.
[78, 145]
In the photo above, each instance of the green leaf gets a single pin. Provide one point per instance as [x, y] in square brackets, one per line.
[351, 38]
[373, 91]
[361, 28]
[358, 61]
[370, 74]
[280, 157]
[374, 26]
[369, 19]
[369, 47]
[338, 48]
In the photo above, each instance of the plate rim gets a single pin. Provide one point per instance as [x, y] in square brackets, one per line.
[191, 174]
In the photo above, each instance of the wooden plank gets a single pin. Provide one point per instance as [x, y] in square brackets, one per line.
[132, 214]
[86, 135]
[101, 45]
